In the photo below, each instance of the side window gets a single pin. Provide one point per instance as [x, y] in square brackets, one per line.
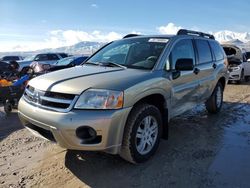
[52, 57]
[182, 50]
[204, 53]
[218, 50]
[41, 57]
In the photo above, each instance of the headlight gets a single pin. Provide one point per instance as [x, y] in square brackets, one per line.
[100, 99]
[236, 68]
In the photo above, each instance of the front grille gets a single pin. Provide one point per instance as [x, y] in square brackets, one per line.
[54, 101]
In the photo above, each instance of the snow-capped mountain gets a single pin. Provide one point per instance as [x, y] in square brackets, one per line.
[84, 47]
[81, 48]
[225, 36]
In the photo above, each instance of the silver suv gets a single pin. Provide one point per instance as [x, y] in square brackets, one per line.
[121, 100]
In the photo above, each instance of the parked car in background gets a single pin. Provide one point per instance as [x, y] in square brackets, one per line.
[4, 67]
[68, 62]
[60, 64]
[121, 99]
[44, 58]
[237, 63]
[11, 58]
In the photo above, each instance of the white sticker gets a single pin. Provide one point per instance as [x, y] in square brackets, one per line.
[158, 40]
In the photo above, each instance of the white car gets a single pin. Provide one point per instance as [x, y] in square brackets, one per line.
[44, 58]
[238, 65]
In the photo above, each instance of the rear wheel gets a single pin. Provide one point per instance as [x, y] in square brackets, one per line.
[215, 101]
[142, 133]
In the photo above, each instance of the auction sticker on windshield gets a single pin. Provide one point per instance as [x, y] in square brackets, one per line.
[158, 40]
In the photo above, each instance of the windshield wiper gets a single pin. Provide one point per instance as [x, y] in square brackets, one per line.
[106, 63]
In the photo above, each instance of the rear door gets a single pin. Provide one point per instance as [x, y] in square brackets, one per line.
[184, 88]
[205, 68]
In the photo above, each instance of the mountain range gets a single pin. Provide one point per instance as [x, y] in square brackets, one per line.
[225, 36]
[85, 47]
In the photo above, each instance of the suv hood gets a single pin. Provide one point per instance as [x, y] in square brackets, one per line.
[77, 79]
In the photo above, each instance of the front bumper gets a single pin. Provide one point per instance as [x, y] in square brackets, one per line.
[235, 75]
[108, 124]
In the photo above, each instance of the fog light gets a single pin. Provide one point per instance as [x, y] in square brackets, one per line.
[86, 133]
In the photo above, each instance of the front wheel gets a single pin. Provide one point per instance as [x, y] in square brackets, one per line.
[142, 133]
[7, 108]
[215, 101]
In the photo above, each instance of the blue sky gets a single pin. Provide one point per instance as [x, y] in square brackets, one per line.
[51, 23]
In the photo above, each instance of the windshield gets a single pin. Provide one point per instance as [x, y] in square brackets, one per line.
[139, 53]
[65, 61]
[29, 58]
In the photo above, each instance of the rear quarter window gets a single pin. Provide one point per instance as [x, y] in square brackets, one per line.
[217, 50]
[204, 52]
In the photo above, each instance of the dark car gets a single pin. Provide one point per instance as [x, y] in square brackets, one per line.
[68, 62]
[4, 67]
[11, 58]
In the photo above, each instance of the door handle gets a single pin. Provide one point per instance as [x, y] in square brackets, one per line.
[196, 70]
[214, 66]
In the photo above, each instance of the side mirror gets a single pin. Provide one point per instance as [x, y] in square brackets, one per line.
[184, 64]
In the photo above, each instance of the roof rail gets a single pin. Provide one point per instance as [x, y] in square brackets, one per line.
[130, 35]
[197, 33]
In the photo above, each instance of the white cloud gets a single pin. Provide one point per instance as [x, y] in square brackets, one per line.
[136, 32]
[70, 37]
[94, 5]
[170, 28]
[59, 38]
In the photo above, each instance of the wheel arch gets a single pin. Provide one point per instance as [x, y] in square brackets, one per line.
[222, 80]
[159, 101]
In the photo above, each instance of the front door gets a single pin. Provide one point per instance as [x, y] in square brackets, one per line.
[184, 87]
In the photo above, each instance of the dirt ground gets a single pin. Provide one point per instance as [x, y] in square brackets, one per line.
[202, 151]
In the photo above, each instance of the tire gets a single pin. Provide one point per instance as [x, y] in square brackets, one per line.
[215, 101]
[7, 108]
[246, 78]
[141, 142]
